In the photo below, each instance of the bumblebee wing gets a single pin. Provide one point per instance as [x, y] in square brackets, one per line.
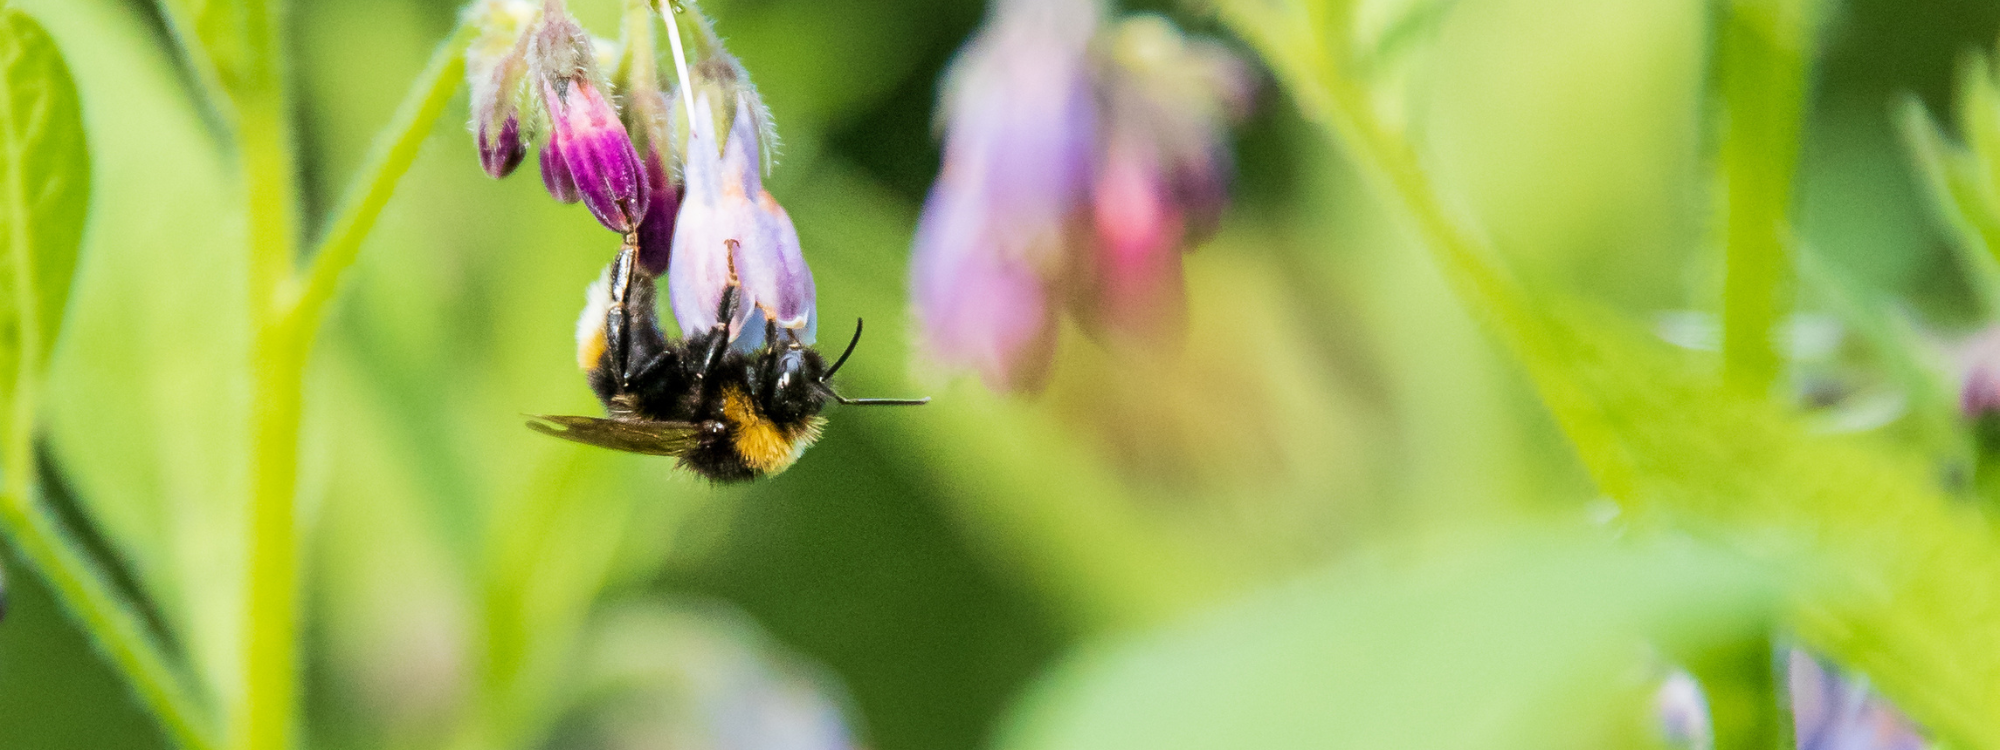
[631, 436]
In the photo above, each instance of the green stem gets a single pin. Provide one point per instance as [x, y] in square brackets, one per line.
[267, 695]
[286, 315]
[1763, 46]
[394, 151]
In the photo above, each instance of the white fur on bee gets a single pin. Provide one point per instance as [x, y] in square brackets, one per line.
[590, 326]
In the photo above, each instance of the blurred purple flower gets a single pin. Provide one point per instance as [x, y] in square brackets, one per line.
[495, 65]
[1075, 164]
[999, 222]
[1162, 176]
[1831, 712]
[588, 156]
[731, 232]
[1979, 360]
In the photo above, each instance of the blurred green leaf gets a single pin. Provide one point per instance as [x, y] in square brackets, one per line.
[1533, 642]
[1962, 196]
[146, 400]
[1889, 575]
[214, 40]
[44, 191]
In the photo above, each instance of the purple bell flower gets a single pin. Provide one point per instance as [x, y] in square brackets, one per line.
[1000, 222]
[656, 232]
[730, 231]
[588, 155]
[1078, 165]
[1162, 177]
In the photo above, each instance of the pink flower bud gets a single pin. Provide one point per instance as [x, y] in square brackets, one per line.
[588, 155]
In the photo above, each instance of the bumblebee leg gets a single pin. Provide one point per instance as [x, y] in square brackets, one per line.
[630, 330]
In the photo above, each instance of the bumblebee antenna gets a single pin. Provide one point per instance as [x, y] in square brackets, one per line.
[845, 354]
[828, 386]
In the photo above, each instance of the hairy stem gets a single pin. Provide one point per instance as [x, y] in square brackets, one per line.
[1762, 53]
[265, 700]
[394, 151]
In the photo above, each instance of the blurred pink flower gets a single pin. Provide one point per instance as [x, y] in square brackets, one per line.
[1077, 165]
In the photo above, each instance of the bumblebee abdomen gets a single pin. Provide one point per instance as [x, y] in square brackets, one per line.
[764, 445]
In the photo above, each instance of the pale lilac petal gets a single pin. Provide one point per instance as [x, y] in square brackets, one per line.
[1022, 118]
[978, 309]
[709, 221]
[1832, 712]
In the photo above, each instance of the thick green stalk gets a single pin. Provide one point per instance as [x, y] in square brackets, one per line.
[262, 717]
[1762, 49]
[287, 312]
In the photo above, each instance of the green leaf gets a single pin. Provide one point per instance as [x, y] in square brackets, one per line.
[1536, 642]
[1961, 196]
[44, 193]
[214, 38]
[1889, 575]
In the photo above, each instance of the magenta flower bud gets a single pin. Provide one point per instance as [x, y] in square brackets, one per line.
[496, 65]
[501, 151]
[729, 231]
[556, 176]
[587, 149]
[656, 232]
[997, 227]
[590, 142]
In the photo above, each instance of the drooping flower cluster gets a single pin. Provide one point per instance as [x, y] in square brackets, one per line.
[1079, 161]
[686, 186]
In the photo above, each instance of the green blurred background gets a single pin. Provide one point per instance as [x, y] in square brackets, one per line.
[475, 585]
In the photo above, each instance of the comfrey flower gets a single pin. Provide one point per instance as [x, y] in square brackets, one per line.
[1077, 163]
[710, 228]
[730, 231]
[1833, 712]
[588, 156]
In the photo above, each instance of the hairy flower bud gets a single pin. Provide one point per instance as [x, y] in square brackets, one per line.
[731, 232]
[588, 155]
[495, 65]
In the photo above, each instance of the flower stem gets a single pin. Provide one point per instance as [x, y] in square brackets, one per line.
[1763, 47]
[394, 151]
[261, 718]
[286, 312]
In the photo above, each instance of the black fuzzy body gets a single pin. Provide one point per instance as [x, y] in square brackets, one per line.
[724, 401]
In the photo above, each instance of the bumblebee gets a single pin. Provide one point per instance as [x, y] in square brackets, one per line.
[727, 415]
